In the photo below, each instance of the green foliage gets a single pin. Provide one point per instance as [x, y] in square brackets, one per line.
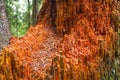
[19, 20]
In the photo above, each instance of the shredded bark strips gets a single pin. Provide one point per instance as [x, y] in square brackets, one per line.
[81, 45]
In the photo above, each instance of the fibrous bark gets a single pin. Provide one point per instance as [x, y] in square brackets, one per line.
[58, 14]
[73, 40]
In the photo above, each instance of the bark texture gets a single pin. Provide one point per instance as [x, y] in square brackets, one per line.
[73, 40]
[59, 13]
[34, 12]
[4, 27]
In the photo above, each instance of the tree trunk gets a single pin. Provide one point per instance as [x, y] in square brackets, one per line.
[63, 14]
[88, 18]
[34, 12]
[59, 14]
[85, 47]
[29, 23]
[4, 27]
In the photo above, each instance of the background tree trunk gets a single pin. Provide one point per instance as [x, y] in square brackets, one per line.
[29, 20]
[4, 27]
[34, 12]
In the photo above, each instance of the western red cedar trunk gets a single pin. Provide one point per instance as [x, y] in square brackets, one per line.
[61, 15]
[86, 49]
[87, 18]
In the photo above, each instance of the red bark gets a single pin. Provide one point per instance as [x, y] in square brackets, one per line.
[87, 41]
